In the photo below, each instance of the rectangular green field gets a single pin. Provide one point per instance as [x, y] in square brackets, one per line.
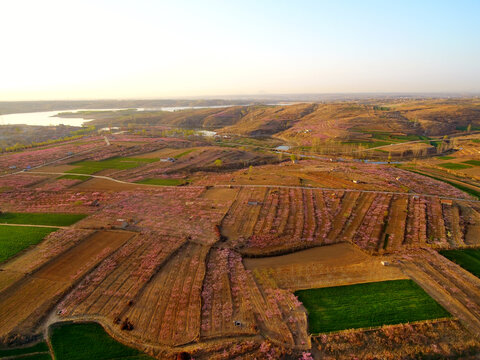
[178, 156]
[162, 182]
[472, 162]
[14, 239]
[50, 219]
[445, 157]
[454, 166]
[74, 177]
[119, 163]
[89, 341]
[368, 305]
[469, 259]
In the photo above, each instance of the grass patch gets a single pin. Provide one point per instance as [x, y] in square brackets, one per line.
[472, 162]
[14, 239]
[162, 182]
[368, 305]
[445, 157]
[183, 154]
[75, 177]
[119, 163]
[89, 341]
[465, 127]
[397, 138]
[367, 144]
[50, 219]
[469, 259]
[454, 166]
[41, 347]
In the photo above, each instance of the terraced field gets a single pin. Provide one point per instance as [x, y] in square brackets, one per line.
[23, 304]
[282, 219]
[211, 270]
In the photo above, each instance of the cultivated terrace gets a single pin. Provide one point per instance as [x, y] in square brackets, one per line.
[360, 235]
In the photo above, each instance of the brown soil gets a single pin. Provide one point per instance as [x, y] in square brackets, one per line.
[396, 222]
[56, 168]
[331, 255]
[332, 265]
[95, 184]
[221, 194]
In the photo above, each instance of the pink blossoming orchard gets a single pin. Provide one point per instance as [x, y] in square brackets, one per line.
[210, 268]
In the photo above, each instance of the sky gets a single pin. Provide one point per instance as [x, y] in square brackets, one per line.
[105, 49]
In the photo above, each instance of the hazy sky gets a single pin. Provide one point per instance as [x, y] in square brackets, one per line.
[57, 49]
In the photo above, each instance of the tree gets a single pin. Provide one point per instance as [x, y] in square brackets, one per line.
[293, 158]
[218, 162]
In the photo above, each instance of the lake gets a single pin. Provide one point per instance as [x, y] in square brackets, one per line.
[46, 118]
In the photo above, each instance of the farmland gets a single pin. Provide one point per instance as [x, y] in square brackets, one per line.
[88, 340]
[40, 218]
[469, 259]
[92, 167]
[15, 238]
[40, 349]
[368, 305]
[162, 242]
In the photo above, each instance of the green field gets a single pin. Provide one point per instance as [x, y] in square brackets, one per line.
[472, 162]
[14, 239]
[183, 154]
[89, 341]
[50, 219]
[445, 157]
[469, 259]
[75, 177]
[367, 144]
[368, 305]
[454, 166]
[397, 138]
[119, 163]
[162, 182]
[38, 351]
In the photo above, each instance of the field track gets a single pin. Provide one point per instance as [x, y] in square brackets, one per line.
[266, 186]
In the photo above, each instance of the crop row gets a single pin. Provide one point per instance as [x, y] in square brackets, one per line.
[280, 219]
[168, 308]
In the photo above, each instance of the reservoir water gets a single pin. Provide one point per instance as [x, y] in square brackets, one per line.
[47, 118]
